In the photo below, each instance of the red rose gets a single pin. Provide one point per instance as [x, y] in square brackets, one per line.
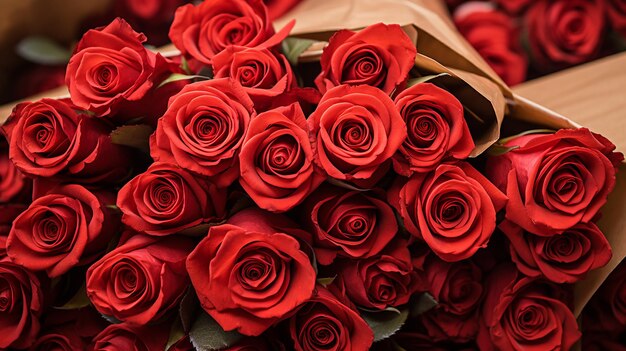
[277, 8]
[514, 7]
[555, 181]
[49, 138]
[495, 37]
[367, 57]
[436, 129]
[561, 258]
[352, 224]
[264, 74]
[14, 186]
[445, 327]
[202, 31]
[141, 280]
[235, 267]
[276, 160]
[325, 323]
[69, 330]
[564, 32]
[521, 313]
[355, 131]
[616, 10]
[124, 337]
[111, 69]
[203, 129]
[453, 209]
[21, 305]
[8, 213]
[70, 226]
[166, 199]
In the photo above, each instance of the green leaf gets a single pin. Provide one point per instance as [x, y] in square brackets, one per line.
[188, 309]
[326, 281]
[176, 333]
[79, 300]
[175, 77]
[43, 51]
[499, 150]
[425, 302]
[528, 132]
[424, 79]
[136, 136]
[184, 65]
[385, 323]
[206, 334]
[294, 47]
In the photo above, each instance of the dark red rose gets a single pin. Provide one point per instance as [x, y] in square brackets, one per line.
[111, 69]
[166, 199]
[514, 7]
[48, 138]
[38, 79]
[554, 181]
[14, 186]
[59, 342]
[276, 161]
[351, 224]
[204, 30]
[452, 208]
[562, 33]
[203, 129]
[367, 57]
[494, 35]
[561, 258]
[325, 323]
[436, 129]
[442, 326]
[8, 213]
[277, 8]
[250, 272]
[141, 280]
[603, 342]
[124, 337]
[263, 73]
[68, 330]
[521, 313]
[21, 305]
[382, 281]
[355, 131]
[616, 10]
[70, 226]
[606, 311]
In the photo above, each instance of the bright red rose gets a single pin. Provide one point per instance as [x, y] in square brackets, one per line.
[14, 186]
[21, 305]
[276, 160]
[263, 73]
[48, 138]
[453, 209]
[494, 35]
[563, 33]
[355, 131]
[8, 213]
[325, 323]
[141, 280]
[367, 57]
[351, 224]
[166, 199]
[70, 226]
[561, 258]
[203, 129]
[124, 337]
[111, 70]
[204, 30]
[554, 181]
[235, 267]
[616, 10]
[521, 313]
[514, 7]
[436, 129]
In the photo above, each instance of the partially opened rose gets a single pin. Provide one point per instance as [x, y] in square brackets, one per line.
[251, 272]
[124, 337]
[554, 181]
[367, 57]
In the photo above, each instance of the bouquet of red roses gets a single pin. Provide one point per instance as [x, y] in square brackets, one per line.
[338, 190]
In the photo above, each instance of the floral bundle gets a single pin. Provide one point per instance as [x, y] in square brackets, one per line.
[266, 192]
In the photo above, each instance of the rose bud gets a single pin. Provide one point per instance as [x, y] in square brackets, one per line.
[276, 160]
[494, 35]
[111, 70]
[382, 281]
[69, 330]
[563, 33]
[141, 280]
[166, 199]
[452, 208]
[367, 57]
[521, 313]
[554, 181]
[124, 337]
[238, 263]
[436, 129]
[204, 30]
[21, 305]
[203, 129]
[14, 186]
[325, 323]
[616, 10]
[606, 312]
[263, 73]
[355, 132]
[561, 258]
[48, 138]
[68, 227]
[351, 224]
